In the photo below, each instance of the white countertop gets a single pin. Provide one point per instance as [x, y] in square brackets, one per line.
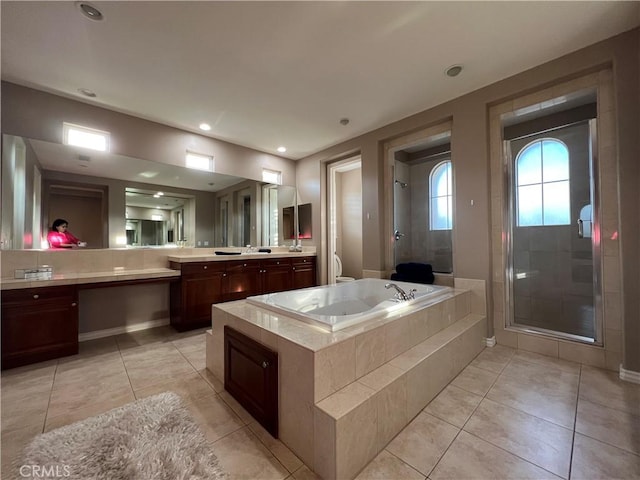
[91, 277]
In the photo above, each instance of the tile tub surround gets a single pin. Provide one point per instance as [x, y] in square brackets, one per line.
[344, 395]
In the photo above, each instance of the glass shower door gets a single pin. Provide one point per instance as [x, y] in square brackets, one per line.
[554, 237]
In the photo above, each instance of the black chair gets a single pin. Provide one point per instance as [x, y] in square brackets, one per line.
[413, 272]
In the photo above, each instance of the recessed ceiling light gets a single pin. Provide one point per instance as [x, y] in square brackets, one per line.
[160, 194]
[282, 149]
[205, 126]
[90, 11]
[87, 93]
[453, 70]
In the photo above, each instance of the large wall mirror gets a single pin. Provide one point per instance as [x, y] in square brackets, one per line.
[114, 201]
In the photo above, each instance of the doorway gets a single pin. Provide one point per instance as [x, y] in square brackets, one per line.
[423, 204]
[84, 207]
[345, 219]
[554, 237]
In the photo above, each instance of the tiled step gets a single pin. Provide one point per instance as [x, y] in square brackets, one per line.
[352, 425]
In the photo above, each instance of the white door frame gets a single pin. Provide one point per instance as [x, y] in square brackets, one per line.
[333, 168]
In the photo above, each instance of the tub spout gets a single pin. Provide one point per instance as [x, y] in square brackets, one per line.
[400, 293]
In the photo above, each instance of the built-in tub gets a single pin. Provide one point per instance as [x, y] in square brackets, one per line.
[334, 307]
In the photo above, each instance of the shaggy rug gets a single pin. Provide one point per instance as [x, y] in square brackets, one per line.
[152, 438]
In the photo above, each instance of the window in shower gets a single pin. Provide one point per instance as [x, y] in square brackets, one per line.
[542, 184]
[441, 197]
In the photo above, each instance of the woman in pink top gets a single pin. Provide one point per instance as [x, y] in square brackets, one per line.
[59, 237]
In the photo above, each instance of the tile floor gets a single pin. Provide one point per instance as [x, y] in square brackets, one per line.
[510, 414]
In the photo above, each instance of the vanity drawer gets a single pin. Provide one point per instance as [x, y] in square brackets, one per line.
[199, 268]
[39, 295]
[303, 261]
[240, 265]
[275, 262]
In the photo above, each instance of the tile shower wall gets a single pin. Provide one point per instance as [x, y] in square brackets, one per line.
[420, 244]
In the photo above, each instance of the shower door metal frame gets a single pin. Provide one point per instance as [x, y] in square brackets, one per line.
[596, 245]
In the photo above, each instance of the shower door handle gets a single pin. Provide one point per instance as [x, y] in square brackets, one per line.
[580, 228]
[397, 234]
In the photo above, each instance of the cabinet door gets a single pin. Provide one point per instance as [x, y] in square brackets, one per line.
[276, 275]
[251, 377]
[38, 325]
[243, 279]
[304, 272]
[199, 292]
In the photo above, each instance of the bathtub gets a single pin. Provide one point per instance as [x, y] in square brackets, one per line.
[334, 307]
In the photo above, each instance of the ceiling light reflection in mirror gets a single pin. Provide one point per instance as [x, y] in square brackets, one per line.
[80, 161]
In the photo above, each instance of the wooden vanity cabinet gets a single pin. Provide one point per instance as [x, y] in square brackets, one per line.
[275, 275]
[202, 283]
[205, 283]
[304, 272]
[243, 280]
[38, 324]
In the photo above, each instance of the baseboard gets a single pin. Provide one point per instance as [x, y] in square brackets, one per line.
[109, 332]
[491, 341]
[629, 375]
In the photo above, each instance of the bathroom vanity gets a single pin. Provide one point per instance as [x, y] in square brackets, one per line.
[43, 319]
[210, 279]
[40, 317]
[39, 324]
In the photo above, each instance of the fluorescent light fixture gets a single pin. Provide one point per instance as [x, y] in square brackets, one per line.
[282, 149]
[199, 162]
[205, 126]
[160, 194]
[85, 137]
[155, 216]
[156, 196]
[271, 176]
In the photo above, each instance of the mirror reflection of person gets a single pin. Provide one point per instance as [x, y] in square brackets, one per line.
[60, 237]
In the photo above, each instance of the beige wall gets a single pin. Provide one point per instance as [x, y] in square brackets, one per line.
[470, 156]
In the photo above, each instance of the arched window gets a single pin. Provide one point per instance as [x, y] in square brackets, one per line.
[542, 184]
[441, 197]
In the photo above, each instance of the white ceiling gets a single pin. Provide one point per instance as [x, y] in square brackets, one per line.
[266, 74]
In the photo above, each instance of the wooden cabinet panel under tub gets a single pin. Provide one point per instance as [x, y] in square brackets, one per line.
[38, 324]
[251, 377]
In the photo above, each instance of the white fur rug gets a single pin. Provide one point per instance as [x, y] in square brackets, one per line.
[152, 438]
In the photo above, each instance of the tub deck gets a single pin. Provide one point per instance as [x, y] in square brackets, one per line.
[344, 395]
